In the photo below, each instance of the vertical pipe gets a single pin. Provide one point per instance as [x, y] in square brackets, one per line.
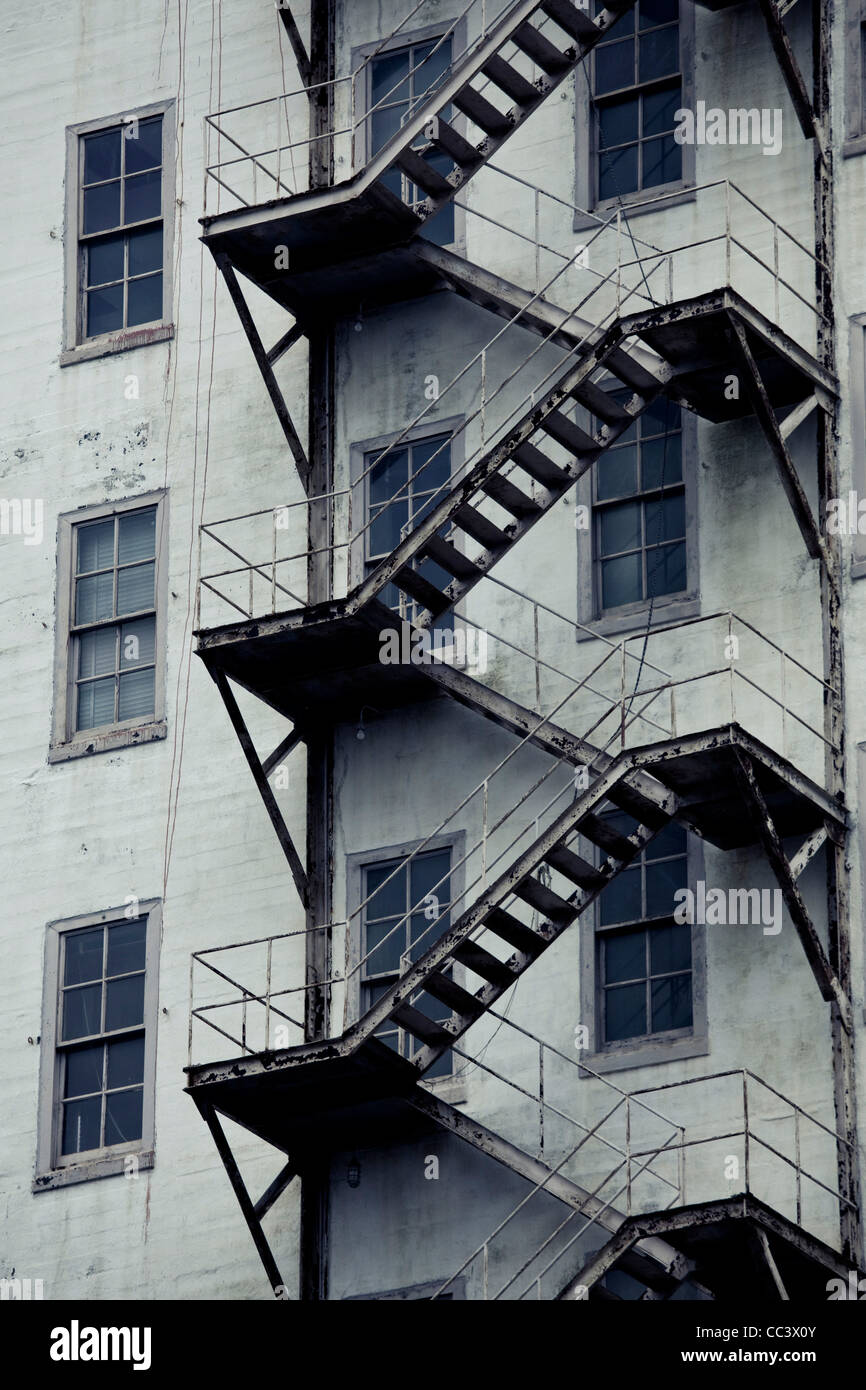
[727, 232]
[746, 1129]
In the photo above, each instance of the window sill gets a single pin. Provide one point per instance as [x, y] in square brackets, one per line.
[675, 610]
[635, 205]
[107, 741]
[112, 343]
[858, 567]
[105, 1167]
[649, 1053]
[856, 145]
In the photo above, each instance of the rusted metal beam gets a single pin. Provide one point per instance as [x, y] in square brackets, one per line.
[264, 366]
[772, 846]
[800, 413]
[280, 752]
[792, 74]
[283, 344]
[274, 1190]
[286, 842]
[764, 1260]
[807, 851]
[300, 52]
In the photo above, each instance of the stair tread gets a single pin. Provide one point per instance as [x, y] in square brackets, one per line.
[420, 589]
[545, 900]
[572, 866]
[443, 988]
[510, 81]
[470, 520]
[575, 22]
[451, 559]
[540, 467]
[420, 1025]
[594, 828]
[484, 114]
[539, 48]
[516, 933]
[510, 497]
[568, 434]
[483, 963]
[601, 403]
[446, 138]
[420, 172]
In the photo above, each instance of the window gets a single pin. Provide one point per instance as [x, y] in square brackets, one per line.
[407, 909]
[119, 220]
[109, 627]
[855, 78]
[98, 1043]
[400, 80]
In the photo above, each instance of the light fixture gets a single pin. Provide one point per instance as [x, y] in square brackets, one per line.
[353, 1173]
[360, 732]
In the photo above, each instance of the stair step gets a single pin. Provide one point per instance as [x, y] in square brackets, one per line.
[421, 1026]
[509, 80]
[446, 138]
[542, 52]
[482, 963]
[476, 525]
[545, 900]
[511, 497]
[630, 372]
[566, 862]
[485, 115]
[420, 172]
[420, 589]
[571, 436]
[603, 835]
[443, 988]
[601, 403]
[521, 937]
[451, 559]
[539, 467]
[639, 806]
[575, 22]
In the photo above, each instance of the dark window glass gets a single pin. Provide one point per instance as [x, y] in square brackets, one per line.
[400, 82]
[637, 87]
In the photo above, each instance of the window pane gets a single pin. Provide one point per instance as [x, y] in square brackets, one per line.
[666, 569]
[662, 161]
[625, 957]
[136, 536]
[658, 110]
[97, 652]
[658, 12]
[621, 581]
[386, 899]
[672, 1003]
[666, 519]
[661, 460]
[625, 1012]
[670, 840]
[617, 172]
[135, 697]
[95, 546]
[620, 901]
[104, 311]
[125, 1062]
[102, 156]
[385, 528]
[388, 475]
[124, 1002]
[432, 62]
[434, 457]
[105, 261]
[621, 528]
[145, 251]
[670, 949]
[82, 956]
[662, 881]
[81, 1012]
[659, 53]
[102, 207]
[81, 1125]
[389, 71]
[383, 125]
[95, 704]
[125, 947]
[142, 196]
[123, 1116]
[426, 871]
[425, 932]
[144, 300]
[624, 25]
[440, 230]
[616, 473]
[384, 958]
[144, 150]
[137, 642]
[84, 1070]
[618, 123]
[135, 588]
[614, 66]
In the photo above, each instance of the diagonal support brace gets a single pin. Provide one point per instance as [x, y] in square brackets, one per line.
[792, 74]
[274, 1190]
[305, 70]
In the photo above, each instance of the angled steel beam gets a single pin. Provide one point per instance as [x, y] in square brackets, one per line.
[761, 1246]
[261, 781]
[248, 1210]
[283, 344]
[300, 52]
[264, 366]
[791, 72]
[770, 425]
[807, 851]
[828, 984]
[280, 751]
[797, 416]
[274, 1190]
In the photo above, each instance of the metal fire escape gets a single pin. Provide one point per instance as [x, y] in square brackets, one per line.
[317, 664]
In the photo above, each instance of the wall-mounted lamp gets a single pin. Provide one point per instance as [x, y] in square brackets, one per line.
[353, 1173]
[360, 732]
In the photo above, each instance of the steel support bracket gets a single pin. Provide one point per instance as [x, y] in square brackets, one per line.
[305, 70]
[791, 72]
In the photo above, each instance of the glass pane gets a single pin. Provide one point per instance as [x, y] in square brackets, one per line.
[124, 1002]
[101, 207]
[620, 901]
[623, 26]
[424, 931]
[84, 1071]
[97, 652]
[625, 1012]
[426, 871]
[102, 156]
[384, 958]
[123, 1116]
[621, 528]
[386, 899]
[666, 519]
[433, 456]
[95, 704]
[385, 528]
[672, 1003]
[137, 642]
[617, 172]
[136, 536]
[144, 300]
[82, 956]
[142, 196]
[383, 125]
[143, 145]
[625, 957]
[621, 581]
[661, 461]
[388, 476]
[618, 123]
[666, 569]
[661, 417]
[387, 71]
[616, 473]
[659, 53]
[658, 12]
[81, 1125]
[125, 1062]
[104, 311]
[658, 110]
[81, 1012]
[135, 697]
[145, 251]
[662, 881]
[440, 230]
[105, 261]
[662, 161]
[670, 949]
[126, 947]
[671, 840]
[614, 66]
[432, 62]
[95, 546]
[135, 588]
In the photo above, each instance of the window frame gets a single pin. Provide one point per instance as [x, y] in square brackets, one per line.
[857, 427]
[52, 1168]
[680, 190]
[855, 78]
[77, 348]
[67, 741]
